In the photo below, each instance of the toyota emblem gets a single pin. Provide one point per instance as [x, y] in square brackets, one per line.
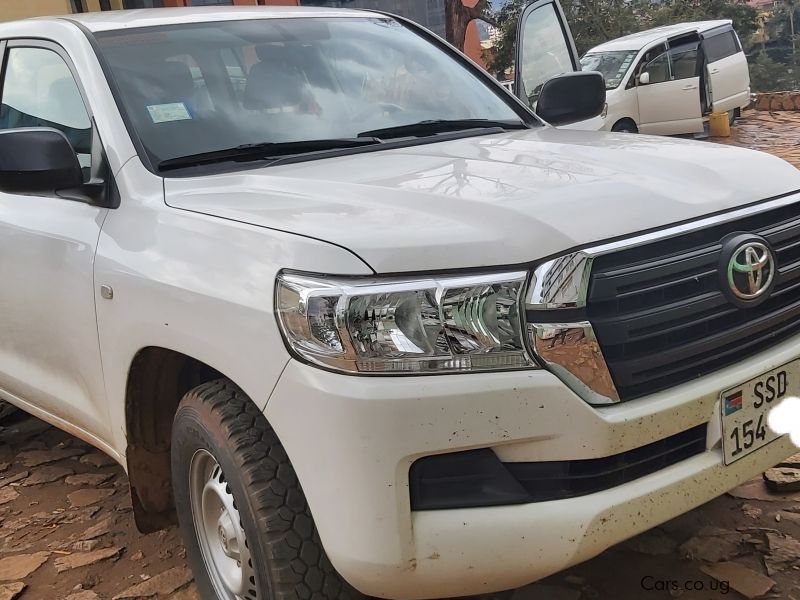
[749, 270]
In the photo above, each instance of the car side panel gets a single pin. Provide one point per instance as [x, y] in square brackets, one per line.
[671, 107]
[195, 284]
[730, 82]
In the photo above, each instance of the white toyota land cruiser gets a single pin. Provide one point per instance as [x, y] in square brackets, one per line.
[316, 280]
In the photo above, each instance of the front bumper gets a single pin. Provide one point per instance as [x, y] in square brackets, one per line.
[352, 441]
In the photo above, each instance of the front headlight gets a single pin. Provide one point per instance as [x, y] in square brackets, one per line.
[431, 325]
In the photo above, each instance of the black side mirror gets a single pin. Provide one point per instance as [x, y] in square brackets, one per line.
[572, 97]
[37, 161]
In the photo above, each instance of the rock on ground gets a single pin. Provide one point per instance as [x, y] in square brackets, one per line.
[82, 559]
[756, 490]
[90, 479]
[34, 458]
[784, 552]
[10, 591]
[160, 585]
[98, 459]
[653, 543]
[13, 478]
[83, 595]
[187, 593]
[17, 567]
[8, 494]
[46, 474]
[88, 497]
[713, 544]
[747, 582]
[101, 528]
[783, 479]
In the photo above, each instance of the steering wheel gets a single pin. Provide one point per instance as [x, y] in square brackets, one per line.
[378, 108]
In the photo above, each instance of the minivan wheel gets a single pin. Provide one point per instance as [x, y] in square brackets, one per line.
[246, 524]
[625, 126]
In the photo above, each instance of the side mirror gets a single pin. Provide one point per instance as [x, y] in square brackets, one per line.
[572, 97]
[644, 78]
[37, 161]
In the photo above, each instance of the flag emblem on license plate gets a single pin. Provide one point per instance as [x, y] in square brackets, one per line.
[733, 403]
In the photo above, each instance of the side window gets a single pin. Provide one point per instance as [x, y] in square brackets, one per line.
[545, 52]
[721, 46]
[39, 91]
[658, 69]
[684, 61]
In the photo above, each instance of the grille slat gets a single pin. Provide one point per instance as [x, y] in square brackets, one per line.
[659, 313]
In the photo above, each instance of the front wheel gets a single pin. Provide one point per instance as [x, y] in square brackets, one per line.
[246, 524]
[625, 126]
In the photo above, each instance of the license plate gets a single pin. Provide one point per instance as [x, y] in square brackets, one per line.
[745, 409]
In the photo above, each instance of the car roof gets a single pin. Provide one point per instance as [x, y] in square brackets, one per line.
[637, 41]
[153, 17]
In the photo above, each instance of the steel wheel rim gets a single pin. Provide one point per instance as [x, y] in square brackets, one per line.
[219, 530]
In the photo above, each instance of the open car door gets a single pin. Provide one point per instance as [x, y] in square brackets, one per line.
[545, 48]
[728, 74]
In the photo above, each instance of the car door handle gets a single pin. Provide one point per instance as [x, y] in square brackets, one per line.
[714, 71]
[689, 87]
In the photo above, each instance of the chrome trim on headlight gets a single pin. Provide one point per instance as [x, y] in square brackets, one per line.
[561, 283]
[571, 351]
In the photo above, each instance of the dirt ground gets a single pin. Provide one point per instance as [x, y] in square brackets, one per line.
[67, 531]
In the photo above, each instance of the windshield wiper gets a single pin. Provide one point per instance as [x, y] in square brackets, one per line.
[434, 126]
[265, 151]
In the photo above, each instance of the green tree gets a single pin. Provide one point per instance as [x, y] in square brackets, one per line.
[767, 75]
[503, 52]
[744, 16]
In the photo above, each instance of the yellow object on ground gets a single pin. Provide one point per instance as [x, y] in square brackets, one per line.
[719, 125]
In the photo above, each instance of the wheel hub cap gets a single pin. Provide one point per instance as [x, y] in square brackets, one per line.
[219, 530]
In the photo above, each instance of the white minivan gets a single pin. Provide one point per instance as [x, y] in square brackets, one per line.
[667, 80]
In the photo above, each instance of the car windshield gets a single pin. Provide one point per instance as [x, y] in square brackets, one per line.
[200, 88]
[612, 65]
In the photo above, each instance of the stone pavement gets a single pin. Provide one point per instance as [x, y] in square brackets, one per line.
[774, 132]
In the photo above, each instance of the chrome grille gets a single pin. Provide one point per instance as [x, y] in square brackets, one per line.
[659, 314]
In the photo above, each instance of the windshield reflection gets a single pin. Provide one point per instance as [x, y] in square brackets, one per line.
[197, 88]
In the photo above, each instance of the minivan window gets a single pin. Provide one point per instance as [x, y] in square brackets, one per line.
[200, 88]
[721, 46]
[40, 91]
[684, 61]
[612, 65]
[658, 69]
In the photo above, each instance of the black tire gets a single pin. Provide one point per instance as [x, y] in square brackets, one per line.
[284, 547]
[625, 126]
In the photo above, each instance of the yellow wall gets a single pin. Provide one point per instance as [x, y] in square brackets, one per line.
[20, 9]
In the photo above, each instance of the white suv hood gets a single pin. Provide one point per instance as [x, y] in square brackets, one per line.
[490, 200]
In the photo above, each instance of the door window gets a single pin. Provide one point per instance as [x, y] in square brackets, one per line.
[658, 69]
[721, 46]
[40, 91]
[684, 61]
[545, 50]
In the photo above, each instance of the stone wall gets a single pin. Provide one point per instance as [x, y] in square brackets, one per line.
[778, 101]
